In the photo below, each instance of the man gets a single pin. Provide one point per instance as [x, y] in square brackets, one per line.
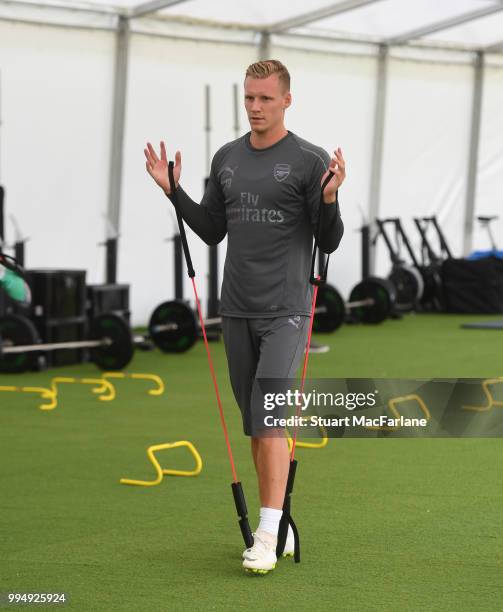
[264, 192]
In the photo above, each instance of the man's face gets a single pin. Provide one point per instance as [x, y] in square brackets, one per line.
[265, 102]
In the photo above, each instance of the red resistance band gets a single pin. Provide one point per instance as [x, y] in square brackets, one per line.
[237, 490]
[286, 518]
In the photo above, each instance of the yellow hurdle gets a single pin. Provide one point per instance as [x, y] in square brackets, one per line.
[392, 407]
[45, 394]
[321, 444]
[491, 402]
[160, 471]
[102, 387]
[159, 390]
[54, 386]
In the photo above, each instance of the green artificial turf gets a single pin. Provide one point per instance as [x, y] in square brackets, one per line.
[386, 524]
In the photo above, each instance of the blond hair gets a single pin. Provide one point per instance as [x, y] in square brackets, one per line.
[264, 69]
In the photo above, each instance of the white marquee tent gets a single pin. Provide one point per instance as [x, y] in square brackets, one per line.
[412, 90]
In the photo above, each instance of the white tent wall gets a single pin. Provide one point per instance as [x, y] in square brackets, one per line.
[333, 105]
[166, 101]
[426, 147]
[489, 197]
[57, 92]
[55, 141]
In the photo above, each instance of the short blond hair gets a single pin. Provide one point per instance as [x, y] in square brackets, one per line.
[264, 69]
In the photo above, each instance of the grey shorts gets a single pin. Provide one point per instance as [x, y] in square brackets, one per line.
[261, 348]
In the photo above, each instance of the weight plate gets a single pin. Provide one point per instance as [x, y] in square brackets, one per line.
[377, 290]
[334, 311]
[18, 331]
[174, 340]
[409, 286]
[390, 287]
[118, 354]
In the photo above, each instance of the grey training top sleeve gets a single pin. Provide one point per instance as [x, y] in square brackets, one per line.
[208, 218]
[268, 203]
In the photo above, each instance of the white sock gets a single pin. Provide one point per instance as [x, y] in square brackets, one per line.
[290, 532]
[269, 520]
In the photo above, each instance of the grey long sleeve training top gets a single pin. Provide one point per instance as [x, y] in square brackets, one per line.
[268, 202]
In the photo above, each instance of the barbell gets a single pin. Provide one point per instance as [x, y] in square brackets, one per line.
[174, 328]
[110, 341]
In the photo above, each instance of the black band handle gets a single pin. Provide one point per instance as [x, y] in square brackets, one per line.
[320, 279]
[240, 502]
[286, 517]
[181, 227]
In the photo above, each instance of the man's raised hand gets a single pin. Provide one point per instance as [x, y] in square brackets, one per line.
[338, 168]
[158, 167]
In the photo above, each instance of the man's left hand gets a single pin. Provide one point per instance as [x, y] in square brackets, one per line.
[338, 167]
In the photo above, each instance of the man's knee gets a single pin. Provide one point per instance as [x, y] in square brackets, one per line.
[272, 441]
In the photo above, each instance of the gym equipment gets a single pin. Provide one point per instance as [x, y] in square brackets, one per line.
[321, 444]
[483, 325]
[491, 402]
[16, 330]
[51, 394]
[45, 394]
[431, 266]
[423, 224]
[107, 298]
[19, 242]
[57, 294]
[111, 260]
[365, 232]
[473, 285]
[407, 279]
[237, 490]
[319, 349]
[317, 281]
[396, 415]
[104, 388]
[485, 222]
[159, 390]
[161, 471]
[110, 342]
[13, 283]
[173, 325]
[370, 301]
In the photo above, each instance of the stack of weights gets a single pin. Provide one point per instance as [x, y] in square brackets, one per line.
[58, 311]
[110, 298]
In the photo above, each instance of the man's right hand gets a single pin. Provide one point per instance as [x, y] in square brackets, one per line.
[158, 168]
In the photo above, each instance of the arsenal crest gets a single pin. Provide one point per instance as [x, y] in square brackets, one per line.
[281, 172]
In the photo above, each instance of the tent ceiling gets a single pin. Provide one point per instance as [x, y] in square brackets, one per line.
[463, 24]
